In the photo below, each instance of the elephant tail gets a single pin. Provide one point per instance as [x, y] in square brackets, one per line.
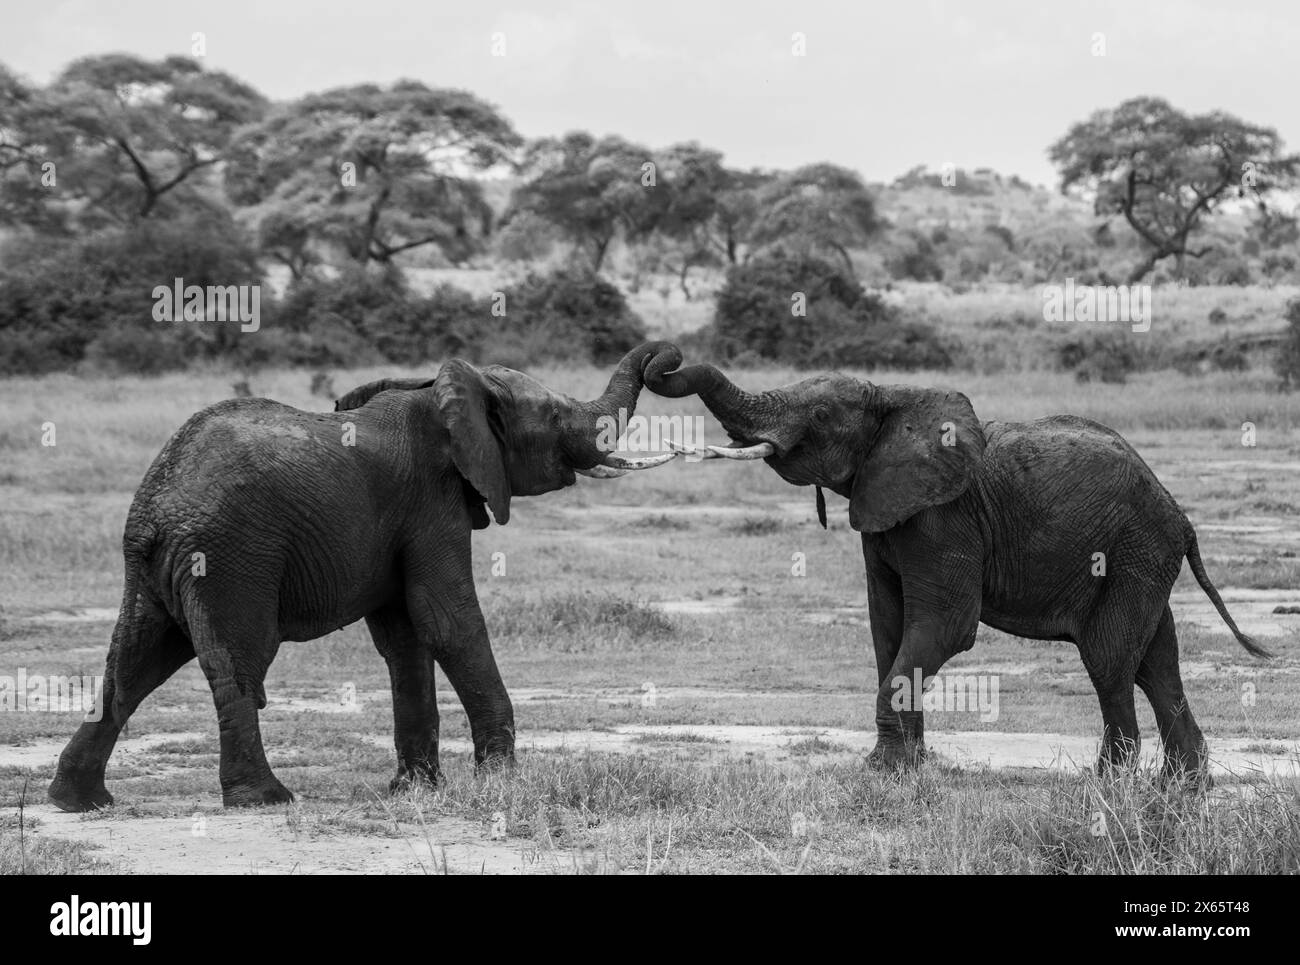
[1198, 571]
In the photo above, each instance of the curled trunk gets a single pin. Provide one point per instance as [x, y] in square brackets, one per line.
[747, 417]
[618, 401]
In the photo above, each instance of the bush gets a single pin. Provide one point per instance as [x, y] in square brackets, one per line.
[60, 298]
[917, 259]
[1102, 358]
[570, 313]
[843, 325]
[361, 316]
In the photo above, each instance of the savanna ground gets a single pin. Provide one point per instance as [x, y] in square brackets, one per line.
[685, 702]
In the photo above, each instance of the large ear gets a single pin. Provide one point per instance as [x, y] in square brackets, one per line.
[364, 393]
[924, 454]
[469, 411]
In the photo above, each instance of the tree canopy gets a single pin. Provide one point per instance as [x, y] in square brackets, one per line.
[1165, 171]
[374, 171]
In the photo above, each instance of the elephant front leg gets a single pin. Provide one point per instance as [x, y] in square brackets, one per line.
[468, 662]
[928, 642]
[447, 617]
[415, 704]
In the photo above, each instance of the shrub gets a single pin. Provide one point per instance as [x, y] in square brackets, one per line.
[1107, 357]
[60, 297]
[843, 326]
[570, 313]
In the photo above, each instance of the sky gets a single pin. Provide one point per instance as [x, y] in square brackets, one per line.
[879, 87]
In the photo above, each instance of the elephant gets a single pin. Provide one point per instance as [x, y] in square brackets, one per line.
[259, 523]
[1000, 523]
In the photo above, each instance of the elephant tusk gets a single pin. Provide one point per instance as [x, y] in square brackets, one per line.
[760, 451]
[601, 472]
[645, 462]
[689, 450]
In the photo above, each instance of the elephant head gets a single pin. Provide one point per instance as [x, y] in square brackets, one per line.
[512, 436]
[892, 450]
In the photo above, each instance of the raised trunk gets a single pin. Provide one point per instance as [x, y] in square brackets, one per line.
[747, 417]
[619, 399]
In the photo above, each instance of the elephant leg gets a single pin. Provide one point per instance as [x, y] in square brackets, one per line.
[236, 672]
[1112, 676]
[930, 638]
[1158, 676]
[147, 648]
[415, 705]
[1117, 634]
[444, 608]
[885, 612]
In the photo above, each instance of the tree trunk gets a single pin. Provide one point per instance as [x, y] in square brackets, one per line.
[848, 262]
[1143, 269]
[598, 256]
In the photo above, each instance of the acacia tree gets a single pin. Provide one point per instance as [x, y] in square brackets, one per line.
[1165, 171]
[116, 139]
[374, 171]
[821, 206]
[592, 190]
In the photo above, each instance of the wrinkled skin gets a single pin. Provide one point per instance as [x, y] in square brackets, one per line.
[301, 534]
[965, 523]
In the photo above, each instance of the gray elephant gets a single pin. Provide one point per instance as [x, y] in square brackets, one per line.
[259, 523]
[1005, 524]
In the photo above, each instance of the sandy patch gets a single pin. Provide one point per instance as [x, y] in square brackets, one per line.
[84, 614]
[270, 841]
[992, 749]
[129, 750]
[1252, 609]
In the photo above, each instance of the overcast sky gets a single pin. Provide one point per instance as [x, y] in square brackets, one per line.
[882, 86]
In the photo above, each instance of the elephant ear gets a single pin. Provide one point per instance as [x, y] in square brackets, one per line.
[469, 411]
[364, 393]
[925, 453]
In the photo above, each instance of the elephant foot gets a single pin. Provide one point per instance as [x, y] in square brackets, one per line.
[895, 756]
[409, 778]
[494, 762]
[1196, 779]
[68, 794]
[268, 791]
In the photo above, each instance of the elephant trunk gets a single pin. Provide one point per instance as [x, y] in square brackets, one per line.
[746, 416]
[618, 402]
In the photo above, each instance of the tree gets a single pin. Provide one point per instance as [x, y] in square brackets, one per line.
[592, 190]
[689, 223]
[820, 206]
[374, 171]
[127, 138]
[1165, 171]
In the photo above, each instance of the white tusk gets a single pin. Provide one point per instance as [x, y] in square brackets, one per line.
[688, 450]
[645, 462]
[760, 451]
[601, 472]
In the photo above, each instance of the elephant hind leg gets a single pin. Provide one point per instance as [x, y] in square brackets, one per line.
[1159, 677]
[148, 647]
[1110, 667]
[235, 648]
